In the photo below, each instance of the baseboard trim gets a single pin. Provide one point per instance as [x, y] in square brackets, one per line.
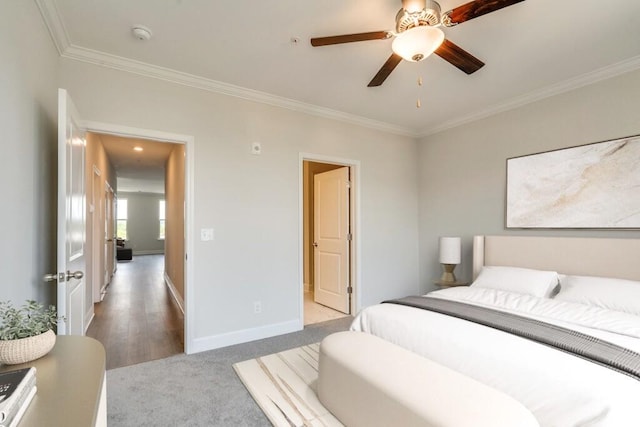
[103, 292]
[174, 292]
[150, 252]
[88, 321]
[238, 337]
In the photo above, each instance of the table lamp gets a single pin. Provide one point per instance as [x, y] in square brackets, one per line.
[450, 248]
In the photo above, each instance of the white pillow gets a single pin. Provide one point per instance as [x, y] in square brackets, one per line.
[538, 283]
[613, 294]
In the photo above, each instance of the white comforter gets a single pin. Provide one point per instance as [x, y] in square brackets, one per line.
[559, 389]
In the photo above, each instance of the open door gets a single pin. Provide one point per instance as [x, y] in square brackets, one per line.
[331, 239]
[71, 219]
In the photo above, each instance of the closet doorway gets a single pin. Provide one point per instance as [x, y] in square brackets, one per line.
[328, 240]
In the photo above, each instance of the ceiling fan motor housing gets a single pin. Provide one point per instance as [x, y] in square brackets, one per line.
[430, 15]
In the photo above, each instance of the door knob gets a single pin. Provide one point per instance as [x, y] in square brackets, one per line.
[76, 275]
[53, 277]
[62, 276]
[315, 244]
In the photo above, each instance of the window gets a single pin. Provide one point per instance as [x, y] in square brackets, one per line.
[161, 216]
[121, 219]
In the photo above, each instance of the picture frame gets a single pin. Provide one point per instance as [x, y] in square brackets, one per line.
[591, 186]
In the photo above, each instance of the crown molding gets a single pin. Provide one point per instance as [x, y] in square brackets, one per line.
[67, 50]
[586, 79]
[52, 20]
[161, 73]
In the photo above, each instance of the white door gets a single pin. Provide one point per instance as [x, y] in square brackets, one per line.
[71, 218]
[331, 239]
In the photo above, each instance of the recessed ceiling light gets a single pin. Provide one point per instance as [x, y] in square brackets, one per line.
[137, 148]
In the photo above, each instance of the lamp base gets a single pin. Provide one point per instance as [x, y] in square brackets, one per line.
[447, 275]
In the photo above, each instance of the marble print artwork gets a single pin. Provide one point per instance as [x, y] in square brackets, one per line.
[591, 186]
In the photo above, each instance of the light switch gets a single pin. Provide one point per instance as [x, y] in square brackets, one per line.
[206, 234]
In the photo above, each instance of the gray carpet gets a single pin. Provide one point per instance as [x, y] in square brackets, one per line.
[201, 389]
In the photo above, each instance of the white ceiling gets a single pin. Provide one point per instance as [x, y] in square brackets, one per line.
[532, 49]
[137, 171]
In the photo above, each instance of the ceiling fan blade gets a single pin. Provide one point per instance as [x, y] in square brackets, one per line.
[474, 9]
[386, 69]
[349, 38]
[458, 57]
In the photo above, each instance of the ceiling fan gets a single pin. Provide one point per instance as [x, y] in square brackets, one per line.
[418, 34]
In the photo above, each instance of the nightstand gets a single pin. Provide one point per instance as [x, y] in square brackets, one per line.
[444, 285]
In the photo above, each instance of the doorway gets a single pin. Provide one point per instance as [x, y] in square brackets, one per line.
[329, 245]
[156, 302]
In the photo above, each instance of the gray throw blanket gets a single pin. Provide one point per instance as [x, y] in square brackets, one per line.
[582, 345]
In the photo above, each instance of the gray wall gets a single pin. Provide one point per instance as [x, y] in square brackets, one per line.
[253, 202]
[463, 170]
[143, 222]
[28, 111]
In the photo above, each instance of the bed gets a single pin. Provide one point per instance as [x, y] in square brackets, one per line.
[596, 292]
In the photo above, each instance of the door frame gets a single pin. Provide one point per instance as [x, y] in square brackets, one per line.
[189, 142]
[96, 235]
[109, 225]
[354, 207]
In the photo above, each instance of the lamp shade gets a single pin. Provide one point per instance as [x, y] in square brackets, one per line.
[450, 248]
[417, 43]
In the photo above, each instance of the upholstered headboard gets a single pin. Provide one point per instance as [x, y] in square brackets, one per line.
[619, 258]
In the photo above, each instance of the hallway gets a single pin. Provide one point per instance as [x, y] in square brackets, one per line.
[138, 320]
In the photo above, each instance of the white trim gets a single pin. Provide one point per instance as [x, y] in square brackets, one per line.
[52, 20]
[174, 292]
[166, 74]
[586, 79]
[88, 319]
[189, 143]
[356, 273]
[132, 132]
[96, 238]
[246, 335]
[103, 292]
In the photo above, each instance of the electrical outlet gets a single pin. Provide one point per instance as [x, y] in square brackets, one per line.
[257, 307]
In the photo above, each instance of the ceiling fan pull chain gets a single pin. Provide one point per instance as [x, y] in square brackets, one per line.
[418, 103]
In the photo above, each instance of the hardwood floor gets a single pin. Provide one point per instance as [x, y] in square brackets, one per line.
[138, 320]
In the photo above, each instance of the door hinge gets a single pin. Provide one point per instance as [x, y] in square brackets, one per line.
[349, 236]
[349, 289]
[348, 184]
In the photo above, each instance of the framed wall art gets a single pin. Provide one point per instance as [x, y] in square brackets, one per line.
[589, 186]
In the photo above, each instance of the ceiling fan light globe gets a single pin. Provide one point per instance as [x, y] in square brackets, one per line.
[417, 43]
[413, 6]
